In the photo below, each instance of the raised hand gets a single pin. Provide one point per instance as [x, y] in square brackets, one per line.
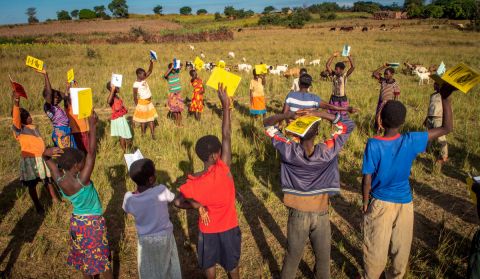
[222, 95]
[52, 152]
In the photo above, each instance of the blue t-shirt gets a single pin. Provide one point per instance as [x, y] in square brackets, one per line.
[302, 100]
[389, 161]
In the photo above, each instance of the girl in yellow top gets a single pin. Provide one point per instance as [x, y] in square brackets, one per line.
[32, 166]
[257, 95]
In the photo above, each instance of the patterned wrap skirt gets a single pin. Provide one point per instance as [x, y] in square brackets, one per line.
[62, 137]
[89, 252]
[175, 102]
[33, 168]
[144, 112]
[339, 101]
[197, 103]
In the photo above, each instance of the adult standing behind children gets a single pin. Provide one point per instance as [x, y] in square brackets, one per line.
[387, 196]
[219, 240]
[145, 112]
[389, 90]
[175, 101]
[434, 120]
[309, 175]
[257, 95]
[339, 81]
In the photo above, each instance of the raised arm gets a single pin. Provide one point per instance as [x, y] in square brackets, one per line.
[150, 69]
[324, 105]
[376, 74]
[112, 94]
[447, 120]
[226, 125]
[329, 62]
[277, 118]
[47, 155]
[87, 170]
[366, 186]
[47, 87]
[165, 76]
[352, 66]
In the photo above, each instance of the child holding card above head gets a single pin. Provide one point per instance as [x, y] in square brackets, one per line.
[32, 167]
[387, 196]
[118, 125]
[434, 120]
[389, 90]
[157, 250]
[79, 126]
[257, 95]
[339, 81]
[72, 171]
[62, 133]
[175, 101]
[196, 106]
[145, 112]
[212, 192]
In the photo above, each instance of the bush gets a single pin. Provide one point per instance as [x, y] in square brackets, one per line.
[137, 31]
[218, 16]
[270, 19]
[185, 10]
[433, 11]
[87, 14]
[202, 12]
[295, 20]
[63, 15]
[329, 16]
[91, 53]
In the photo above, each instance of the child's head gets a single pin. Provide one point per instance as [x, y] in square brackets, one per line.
[57, 97]
[142, 172]
[305, 81]
[388, 74]
[25, 117]
[71, 159]
[303, 71]
[141, 74]
[208, 148]
[109, 87]
[339, 68]
[193, 74]
[312, 132]
[393, 114]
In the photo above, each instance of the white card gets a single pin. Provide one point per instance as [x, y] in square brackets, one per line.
[116, 80]
[130, 158]
[346, 50]
[153, 55]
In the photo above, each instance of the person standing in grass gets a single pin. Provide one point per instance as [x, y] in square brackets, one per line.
[257, 95]
[72, 170]
[212, 192]
[196, 106]
[32, 167]
[387, 196]
[434, 120]
[309, 175]
[79, 126]
[175, 101]
[157, 250]
[295, 84]
[118, 125]
[339, 81]
[145, 112]
[389, 90]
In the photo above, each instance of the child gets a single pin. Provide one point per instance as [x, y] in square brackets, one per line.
[157, 250]
[32, 166]
[387, 196]
[89, 245]
[175, 102]
[196, 106]
[79, 126]
[118, 124]
[219, 238]
[62, 133]
[339, 81]
[389, 90]
[257, 95]
[145, 112]
[434, 120]
[295, 85]
[309, 174]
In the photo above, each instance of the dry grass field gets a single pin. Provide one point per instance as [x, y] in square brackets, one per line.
[36, 246]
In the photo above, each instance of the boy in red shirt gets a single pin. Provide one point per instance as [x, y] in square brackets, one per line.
[212, 192]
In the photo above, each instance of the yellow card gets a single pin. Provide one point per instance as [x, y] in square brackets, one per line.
[301, 125]
[462, 77]
[198, 63]
[34, 63]
[231, 81]
[221, 64]
[70, 75]
[85, 103]
[261, 69]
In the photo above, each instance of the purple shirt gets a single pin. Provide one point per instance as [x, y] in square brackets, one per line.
[57, 115]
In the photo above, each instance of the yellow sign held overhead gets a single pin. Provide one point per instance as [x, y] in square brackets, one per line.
[261, 69]
[461, 77]
[229, 80]
[70, 76]
[85, 103]
[301, 125]
[34, 63]
[198, 63]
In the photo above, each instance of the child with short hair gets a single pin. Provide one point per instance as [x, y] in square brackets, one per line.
[295, 84]
[79, 126]
[434, 120]
[32, 167]
[72, 170]
[118, 124]
[157, 250]
[257, 95]
[389, 90]
[145, 112]
[219, 238]
[196, 106]
[175, 101]
[62, 133]
[309, 175]
[339, 81]
[387, 196]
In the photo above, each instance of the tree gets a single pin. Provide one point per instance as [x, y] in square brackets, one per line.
[87, 14]
[63, 15]
[412, 2]
[186, 10]
[31, 13]
[368, 7]
[433, 11]
[325, 7]
[414, 10]
[158, 10]
[229, 11]
[218, 16]
[202, 12]
[268, 9]
[74, 13]
[285, 10]
[100, 11]
[119, 8]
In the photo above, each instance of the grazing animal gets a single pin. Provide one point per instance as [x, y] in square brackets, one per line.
[459, 26]
[231, 54]
[325, 75]
[333, 29]
[346, 28]
[412, 67]
[293, 72]
[239, 29]
[282, 68]
[202, 55]
[192, 47]
[274, 72]
[365, 29]
[315, 62]
[382, 26]
[244, 67]
[300, 61]
[209, 66]
[422, 77]
[436, 27]
[244, 60]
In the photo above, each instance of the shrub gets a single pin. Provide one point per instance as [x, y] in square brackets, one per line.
[91, 53]
[202, 12]
[87, 14]
[63, 15]
[185, 10]
[218, 16]
[137, 31]
[329, 16]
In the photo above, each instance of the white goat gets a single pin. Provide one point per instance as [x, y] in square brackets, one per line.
[245, 67]
[192, 47]
[231, 54]
[315, 62]
[275, 72]
[282, 68]
[422, 77]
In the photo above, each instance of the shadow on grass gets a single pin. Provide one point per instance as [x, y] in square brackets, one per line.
[8, 196]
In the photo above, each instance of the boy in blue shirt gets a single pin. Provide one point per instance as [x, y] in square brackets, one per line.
[387, 197]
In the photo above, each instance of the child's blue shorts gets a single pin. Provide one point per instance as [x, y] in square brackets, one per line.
[222, 248]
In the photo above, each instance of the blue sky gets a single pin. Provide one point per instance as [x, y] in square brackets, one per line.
[14, 11]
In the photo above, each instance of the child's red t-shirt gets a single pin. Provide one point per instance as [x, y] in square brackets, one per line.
[215, 190]
[118, 109]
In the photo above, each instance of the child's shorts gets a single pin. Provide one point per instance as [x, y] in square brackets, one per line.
[222, 248]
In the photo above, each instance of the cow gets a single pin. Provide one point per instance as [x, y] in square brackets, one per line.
[300, 61]
[346, 28]
[333, 29]
[209, 66]
[244, 60]
[293, 72]
[274, 72]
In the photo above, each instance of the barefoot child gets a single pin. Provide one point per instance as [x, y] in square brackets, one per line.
[157, 250]
[118, 125]
[434, 120]
[89, 245]
[387, 196]
[219, 238]
[196, 106]
[257, 95]
[389, 90]
[174, 102]
[145, 112]
[339, 81]
[32, 167]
